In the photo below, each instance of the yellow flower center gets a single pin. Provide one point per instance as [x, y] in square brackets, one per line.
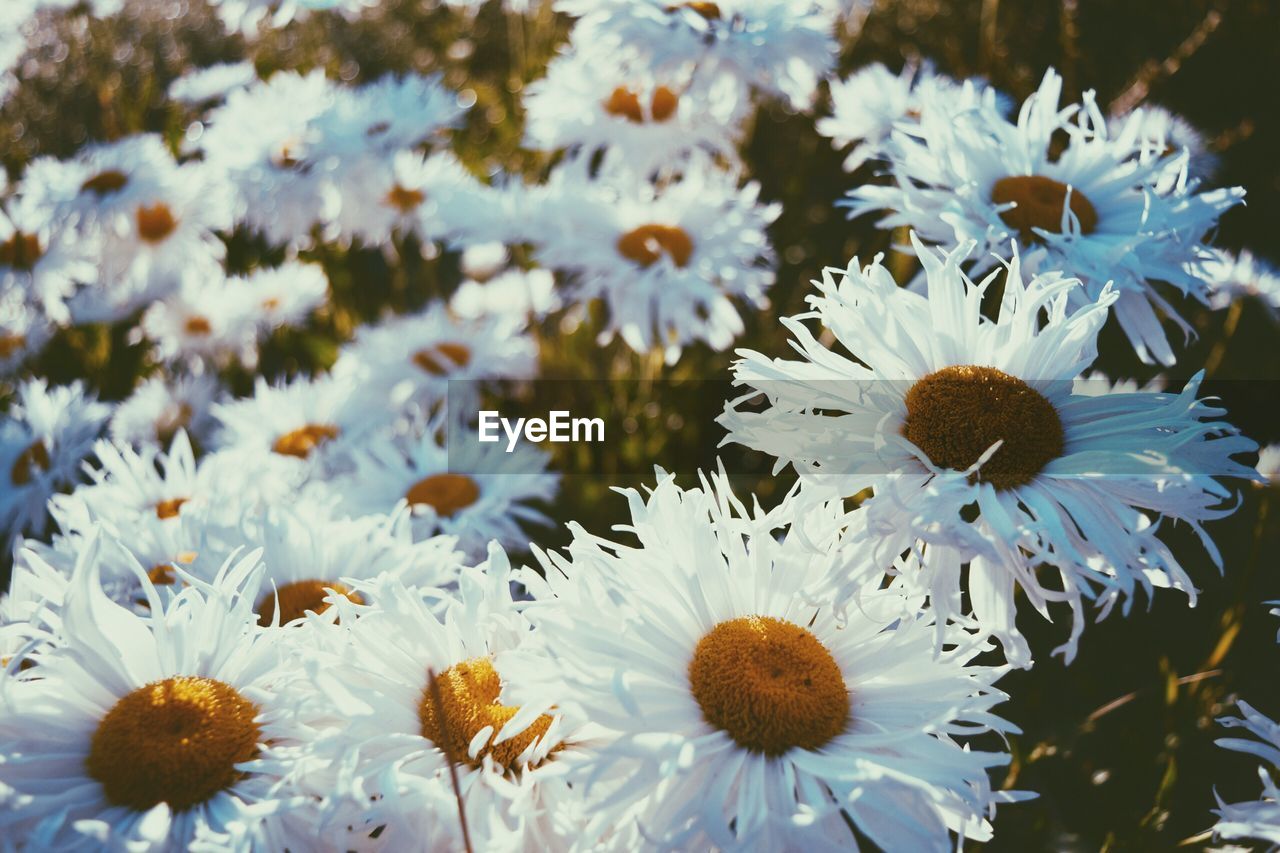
[34, 458]
[298, 597]
[304, 439]
[446, 493]
[442, 358]
[175, 741]
[468, 695]
[198, 326]
[156, 223]
[646, 244]
[11, 344]
[625, 103]
[955, 414]
[769, 684]
[1040, 201]
[105, 183]
[169, 508]
[21, 251]
[405, 200]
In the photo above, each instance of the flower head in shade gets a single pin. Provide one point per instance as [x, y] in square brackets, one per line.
[669, 263]
[1257, 820]
[1242, 276]
[44, 437]
[160, 406]
[734, 710]
[152, 732]
[947, 409]
[1100, 209]
[420, 684]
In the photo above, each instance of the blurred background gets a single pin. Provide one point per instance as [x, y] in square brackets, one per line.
[1119, 746]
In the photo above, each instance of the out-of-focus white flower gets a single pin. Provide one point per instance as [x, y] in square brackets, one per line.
[515, 293]
[1101, 209]
[781, 47]
[1241, 276]
[45, 436]
[1258, 820]
[584, 102]
[945, 409]
[202, 86]
[1269, 463]
[668, 264]
[24, 329]
[1162, 133]
[160, 406]
[734, 711]
[208, 317]
[40, 261]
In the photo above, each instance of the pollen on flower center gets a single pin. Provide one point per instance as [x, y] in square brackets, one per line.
[155, 223]
[1040, 201]
[468, 694]
[405, 200]
[298, 597]
[21, 251]
[169, 508]
[442, 358]
[34, 458]
[955, 414]
[305, 439]
[646, 244]
[175, 741]
[626, 103]
[769, 684]
[105, 183]
[446, 493]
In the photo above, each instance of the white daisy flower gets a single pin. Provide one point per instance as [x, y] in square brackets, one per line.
[946, 409]
[30, 609]
[585, 102]
[1162, 133]
[286, 295]
[162, 405]
[154, 732]
[389, 115]
[516, 293]
[43, 439]
[482, 261]
[1258, 820]
[24, 329]
[40, 260]
[668, 264]
[781, 47]
[735, 712]
[262, 140]
[868, 105]
[1096, 210]
[411, 359]
[476, 492]
[1233, 277]
[296, 431]
[202, 86]
[208, 317]
[1269, 463]
[417, 691]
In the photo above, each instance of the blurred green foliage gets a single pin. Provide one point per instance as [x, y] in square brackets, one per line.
[1119, 745]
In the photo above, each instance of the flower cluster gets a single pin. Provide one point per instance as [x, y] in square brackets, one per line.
[261, 609]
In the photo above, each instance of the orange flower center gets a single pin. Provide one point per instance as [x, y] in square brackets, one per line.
[298, 597]
[769, 684]
[646, 244]
[174, 741]
[11, 344]
[710, 11]
[442, 358]
[405, 200]
[304, 439]
[626, 103]
[35, 458]
[1040, 202]
[105, 183]
[198, 326]
[955, 414]
[446, 493]
[21, 251]
[155, 223]
[169, 508]
[468, 695]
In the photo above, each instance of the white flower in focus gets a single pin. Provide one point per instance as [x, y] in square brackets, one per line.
[1258, 820]
[668, 264]
[947, 409]
[1098, 209]
[734, 711]
[44, 437]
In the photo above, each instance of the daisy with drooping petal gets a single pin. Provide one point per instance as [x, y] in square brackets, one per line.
[1100, 209]
[45, 436]
[736, 711]
[1258, 820]
[668, 263]
[472, 491]
[160, 406]
[400, 731]
[948, 409]
[153, 732]
[781, 47]
[413, 358]
[584, 102]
